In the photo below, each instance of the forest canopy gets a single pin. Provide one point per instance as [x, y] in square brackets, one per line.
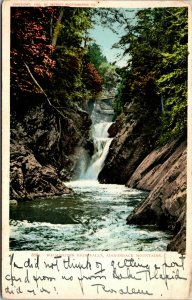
[155, 76]
[52, 53]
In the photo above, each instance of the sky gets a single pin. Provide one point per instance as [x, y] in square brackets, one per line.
[106, 38]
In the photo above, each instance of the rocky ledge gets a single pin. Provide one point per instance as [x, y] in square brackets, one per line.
[29, 179]
[43, 146]
[163, 173]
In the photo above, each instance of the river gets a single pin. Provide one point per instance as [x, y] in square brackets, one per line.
[92, 218]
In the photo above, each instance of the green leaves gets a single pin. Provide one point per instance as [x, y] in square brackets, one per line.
[157, 47]
[173, 81]
[95, 55]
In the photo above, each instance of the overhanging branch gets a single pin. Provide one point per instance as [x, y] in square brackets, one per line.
[42, 90]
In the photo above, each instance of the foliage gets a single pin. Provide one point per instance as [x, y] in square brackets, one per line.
[51, 52]
[95, 55]
[92, 79]
[109, 77]
[172, 83]
[30, 43]
[69, 55]
[108, 17]
[46, 50]
[157, 67]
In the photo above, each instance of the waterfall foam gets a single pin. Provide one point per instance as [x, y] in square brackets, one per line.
[101, 147]
[99, 134]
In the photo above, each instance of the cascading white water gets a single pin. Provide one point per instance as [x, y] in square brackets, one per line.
[99, 133]
[101, 147]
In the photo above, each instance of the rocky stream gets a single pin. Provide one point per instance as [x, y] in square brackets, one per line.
[57, 203]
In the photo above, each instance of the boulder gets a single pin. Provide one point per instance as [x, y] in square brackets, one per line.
[113, 130]
[116, 126]
[29, 179]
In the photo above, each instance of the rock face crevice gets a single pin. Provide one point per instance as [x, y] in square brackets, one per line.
[42, 148]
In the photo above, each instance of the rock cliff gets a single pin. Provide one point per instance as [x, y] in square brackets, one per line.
[43, 143]
[29, 179]
[163, 173]
[129, 147]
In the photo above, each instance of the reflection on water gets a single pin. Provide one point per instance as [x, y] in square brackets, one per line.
[93, 218]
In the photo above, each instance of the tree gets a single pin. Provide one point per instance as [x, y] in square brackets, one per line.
[110, 76]
[47, 53]
[157, 68]
[69, 55]
[172, 83]
[92, 80]
[30, 44]
[95, 55]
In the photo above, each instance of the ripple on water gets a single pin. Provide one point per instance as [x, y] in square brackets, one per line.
[94, 218]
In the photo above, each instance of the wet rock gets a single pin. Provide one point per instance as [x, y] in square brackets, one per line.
[116, 126]
[29, 179]
[65, 175]
[158, 162]
[113, 129]
[43, 143]
[127, 150]
[163, 172]
[89, 145]
[13, 202]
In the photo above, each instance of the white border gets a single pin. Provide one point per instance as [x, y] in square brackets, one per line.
[176, 292]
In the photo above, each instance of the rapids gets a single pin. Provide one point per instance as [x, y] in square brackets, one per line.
[93, 218]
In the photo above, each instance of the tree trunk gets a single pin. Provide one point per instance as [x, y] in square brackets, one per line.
[56, 30]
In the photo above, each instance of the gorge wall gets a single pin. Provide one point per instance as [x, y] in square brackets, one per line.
[134, 139]
[163, 173]
[43, 146]
[134, 160]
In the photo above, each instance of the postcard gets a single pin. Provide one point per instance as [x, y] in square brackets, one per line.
[96, 119]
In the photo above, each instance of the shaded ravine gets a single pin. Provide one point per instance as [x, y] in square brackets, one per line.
[92, 218]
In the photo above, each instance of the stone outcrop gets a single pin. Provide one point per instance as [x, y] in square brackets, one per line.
[178, 243]
[29, 179]
[163, 172]
[43, 143]
[128, 148]
[155, 165]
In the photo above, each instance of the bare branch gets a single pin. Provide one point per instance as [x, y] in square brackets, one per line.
[41, 89]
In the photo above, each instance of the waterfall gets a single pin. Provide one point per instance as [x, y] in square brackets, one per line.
[99, 134]
[101, 148]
